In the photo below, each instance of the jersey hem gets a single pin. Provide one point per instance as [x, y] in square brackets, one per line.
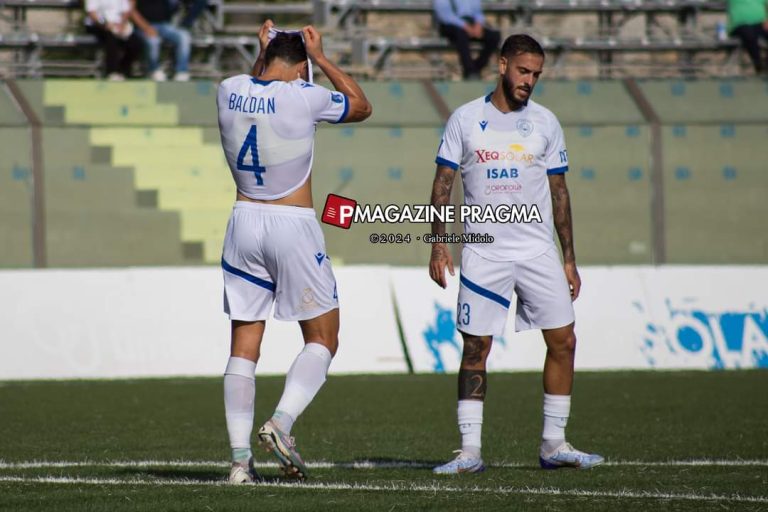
[306, 316]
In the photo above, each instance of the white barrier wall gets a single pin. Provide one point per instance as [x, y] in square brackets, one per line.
[169, 321]
[626, 317]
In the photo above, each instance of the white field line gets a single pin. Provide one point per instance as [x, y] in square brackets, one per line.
[363, 464]
[434, 488]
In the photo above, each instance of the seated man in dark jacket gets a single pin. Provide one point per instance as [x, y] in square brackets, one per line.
[462, 21]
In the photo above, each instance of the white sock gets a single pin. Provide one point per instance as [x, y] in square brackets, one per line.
[304, 380]
[556, 411]
[239, 395]
[283, 420]
[470, 414]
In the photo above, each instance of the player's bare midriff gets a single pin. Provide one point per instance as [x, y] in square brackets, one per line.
[301, 197]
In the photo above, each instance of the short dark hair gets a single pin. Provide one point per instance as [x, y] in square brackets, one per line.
[286, 47]
[520, 43]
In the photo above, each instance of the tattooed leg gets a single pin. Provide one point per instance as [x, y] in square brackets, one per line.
[472, 388]
[472, 384]
[472, 377]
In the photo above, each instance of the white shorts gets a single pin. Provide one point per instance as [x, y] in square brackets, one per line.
[543, 295]
[275, 253]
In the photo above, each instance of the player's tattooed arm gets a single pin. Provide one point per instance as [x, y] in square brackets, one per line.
[441, 196]
[561, 207]
[441, 193]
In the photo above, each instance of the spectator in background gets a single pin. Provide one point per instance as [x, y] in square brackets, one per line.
[748, 20]
[462, 21]
[108, 21]
[153, 18]
[194, 8]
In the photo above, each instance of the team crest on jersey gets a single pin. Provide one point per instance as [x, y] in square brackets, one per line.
[525, 127]
[308, 301]
[483, 124]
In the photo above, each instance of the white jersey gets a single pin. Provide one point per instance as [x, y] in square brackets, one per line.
[268, 131]
[108, 11]
[505, 160]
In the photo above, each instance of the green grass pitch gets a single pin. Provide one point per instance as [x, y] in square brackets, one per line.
[672, 441]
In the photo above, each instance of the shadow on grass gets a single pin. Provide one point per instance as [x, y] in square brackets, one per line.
[419, 464]
[192, 474]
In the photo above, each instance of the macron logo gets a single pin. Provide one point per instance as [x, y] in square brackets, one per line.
[319, 257]
[483, 124]
[339, 211]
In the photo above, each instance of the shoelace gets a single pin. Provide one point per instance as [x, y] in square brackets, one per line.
[461, 455]
[577, 453]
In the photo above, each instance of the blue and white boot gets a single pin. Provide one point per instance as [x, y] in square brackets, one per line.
[566, 456]
[463, 463]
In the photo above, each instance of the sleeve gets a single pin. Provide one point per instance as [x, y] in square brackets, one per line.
[477, 13]
[556, 156]
[91, 6]
[451, 147]
[324, 104]
[445, 14]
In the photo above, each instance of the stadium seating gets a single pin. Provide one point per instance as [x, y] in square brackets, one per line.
[400, 104]
[681, 101]
[575, 102]
[144, 181]
[10, 115]
[389, 166]
[15, 196]
[610, 193]
[715, 185]
[195, 102]
[92, 211]
[190, 177]
[224, 41]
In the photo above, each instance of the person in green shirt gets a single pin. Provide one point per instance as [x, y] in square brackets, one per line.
[748, 20]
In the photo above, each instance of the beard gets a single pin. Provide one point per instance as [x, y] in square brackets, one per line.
[509, 93]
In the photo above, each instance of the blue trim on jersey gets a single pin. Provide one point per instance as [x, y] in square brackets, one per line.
[346, 110]
[248, 277]
[488, 294]
[488, 98]
[261, 82]
[557, 170]
[443, 161]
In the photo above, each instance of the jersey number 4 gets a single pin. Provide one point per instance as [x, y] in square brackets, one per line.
[254, 167]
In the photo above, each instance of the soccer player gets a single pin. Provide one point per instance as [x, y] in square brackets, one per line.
[511, 151]
[274, 251]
